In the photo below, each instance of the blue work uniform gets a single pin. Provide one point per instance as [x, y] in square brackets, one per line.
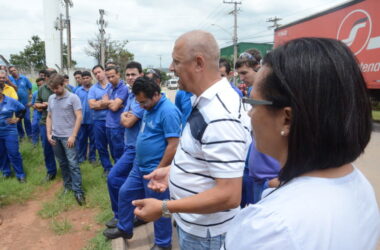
[115, 132]
[86, 136]
[9, 145]
[35, 121]
[183, 103]
[123, 166]
[163, 121]
[96, 93]
[24, 86]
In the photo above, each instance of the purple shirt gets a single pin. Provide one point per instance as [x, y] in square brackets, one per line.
[121, 92]
[261, 166]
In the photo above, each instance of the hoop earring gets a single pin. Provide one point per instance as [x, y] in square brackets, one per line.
[282, 133]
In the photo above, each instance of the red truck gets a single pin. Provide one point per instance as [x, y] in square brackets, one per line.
[356, 23]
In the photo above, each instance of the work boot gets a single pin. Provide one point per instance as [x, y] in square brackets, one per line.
[113, 233]
[112, 223]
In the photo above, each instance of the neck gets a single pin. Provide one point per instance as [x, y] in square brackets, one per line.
[207, 82]
[63, 93]
[103, 82]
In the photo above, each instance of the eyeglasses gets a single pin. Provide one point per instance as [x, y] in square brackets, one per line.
[246, 55]
[254, 102]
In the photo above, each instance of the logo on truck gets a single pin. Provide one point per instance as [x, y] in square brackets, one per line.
[355, 31]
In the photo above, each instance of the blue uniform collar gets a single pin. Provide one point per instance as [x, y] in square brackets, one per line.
[5, 99]
[118, 85]
[100, 86]
[158, 104]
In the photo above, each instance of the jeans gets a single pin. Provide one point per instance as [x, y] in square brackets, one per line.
[101, 143]
[36, 128]
[135, 187]
[68, 161]
[115, 137]
[48, 152]
[27, 124]
[118, 175]
[86, 138]
[188, 241]
[9, 153]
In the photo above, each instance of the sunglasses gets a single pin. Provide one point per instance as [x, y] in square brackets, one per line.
[254, 102]
[247, 56]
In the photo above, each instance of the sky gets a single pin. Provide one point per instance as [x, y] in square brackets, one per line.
[151, 26]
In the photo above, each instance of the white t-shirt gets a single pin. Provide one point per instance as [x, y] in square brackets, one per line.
[311, 213]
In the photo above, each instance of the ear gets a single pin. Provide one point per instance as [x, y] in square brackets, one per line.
[285, 121]
[200, 63]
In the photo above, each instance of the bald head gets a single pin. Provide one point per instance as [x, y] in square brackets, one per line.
[199, 42]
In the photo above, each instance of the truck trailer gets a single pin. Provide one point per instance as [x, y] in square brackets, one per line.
[356, 23]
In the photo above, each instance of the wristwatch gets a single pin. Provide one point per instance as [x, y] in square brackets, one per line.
[165, 211]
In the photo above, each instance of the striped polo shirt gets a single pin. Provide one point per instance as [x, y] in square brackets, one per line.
[214, 144]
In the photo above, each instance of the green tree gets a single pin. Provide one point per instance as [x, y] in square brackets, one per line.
[32, 57]
[115, 50]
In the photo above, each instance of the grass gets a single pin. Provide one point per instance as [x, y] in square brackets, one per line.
[61, 227]
[11, 192]
[376, 115]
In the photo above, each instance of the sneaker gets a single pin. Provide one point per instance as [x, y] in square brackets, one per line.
[112, 223]
[21, 180]
[157, 247]
[113, 233]
[80, 199]
[49, 177]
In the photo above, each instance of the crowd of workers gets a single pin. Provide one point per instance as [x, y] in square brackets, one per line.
[286, 145]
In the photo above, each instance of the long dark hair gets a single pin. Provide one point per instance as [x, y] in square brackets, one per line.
[331, 121]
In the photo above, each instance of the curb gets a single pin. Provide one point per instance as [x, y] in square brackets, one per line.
[376, 127]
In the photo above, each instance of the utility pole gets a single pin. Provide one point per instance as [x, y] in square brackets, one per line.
[160, 56]
[235, 37]
[68, 4]
[59, 25]
[102, 31]
[274, 20]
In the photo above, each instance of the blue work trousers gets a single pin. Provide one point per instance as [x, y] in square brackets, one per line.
[27, 125]
[68, 162]
[115, 137]
[35, 128]
[48, 152]
[9, 153]
[134, 188]
[101, 143]
[86, 142]
[118, 175]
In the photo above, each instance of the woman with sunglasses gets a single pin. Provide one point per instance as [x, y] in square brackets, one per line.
[311, 112]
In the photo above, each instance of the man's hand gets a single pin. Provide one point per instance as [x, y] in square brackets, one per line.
[158, 179]
[148, 209]
[13, 120]
[51, 141]
[70, 142]
[274, 183]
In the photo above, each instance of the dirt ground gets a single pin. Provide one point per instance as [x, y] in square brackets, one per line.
[22, 227]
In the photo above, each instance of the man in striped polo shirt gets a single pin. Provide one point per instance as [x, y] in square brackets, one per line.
[205, 177]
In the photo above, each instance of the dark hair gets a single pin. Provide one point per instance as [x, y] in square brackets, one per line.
[50, 72]
[12, 66]
[113, 68]
[320, 80]
[42, 71]
[86, 73]
[223, 62]
[56, 80]
[78, 72]
[97, 66]
[110, 64]
[134, 65]
[40, 79]
[65, 76]
[249, 62]
[147, 86]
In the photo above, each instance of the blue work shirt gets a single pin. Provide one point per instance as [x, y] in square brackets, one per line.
[8, 107]
[87, 113]
[72, 88]
[121, 92]
[36, 113]
[133, 107]
[161, 122]
[183, 103]
[23, 87]
[236, 89]
[96, 93]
